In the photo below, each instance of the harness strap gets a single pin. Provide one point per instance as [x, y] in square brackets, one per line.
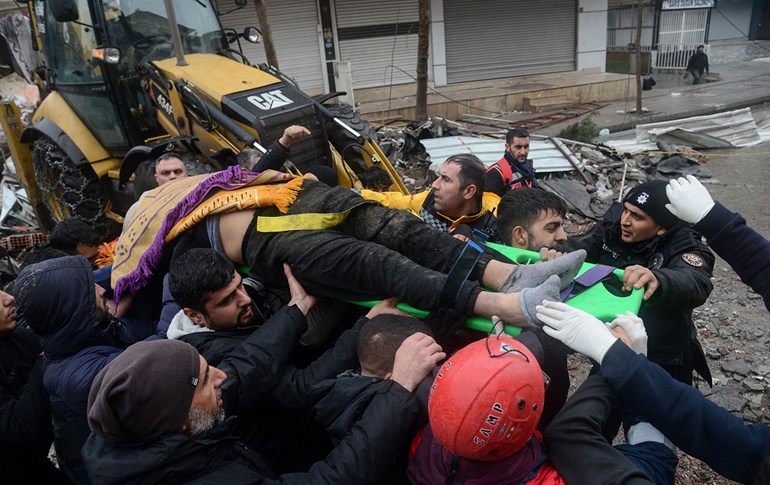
[585, 281]
[459, 274]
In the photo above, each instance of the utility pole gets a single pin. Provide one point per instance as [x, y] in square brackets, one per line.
[423, 42]
[639, 17]
[267, 33]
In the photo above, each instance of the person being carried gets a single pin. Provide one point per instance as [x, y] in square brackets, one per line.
[361, 252]
[455, 199]
[514, 170]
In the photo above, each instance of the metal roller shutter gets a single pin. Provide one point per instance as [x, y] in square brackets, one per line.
[507, 38]
[295, 27]
[375, 35]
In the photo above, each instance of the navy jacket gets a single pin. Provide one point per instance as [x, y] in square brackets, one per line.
[57, 297]
[746, 251]
[692, 422]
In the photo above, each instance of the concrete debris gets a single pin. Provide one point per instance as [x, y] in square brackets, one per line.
[589, 177]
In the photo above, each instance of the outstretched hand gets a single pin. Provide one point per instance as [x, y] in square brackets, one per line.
[415, 359]
[387, 306]
[690, 200]
[577, 329]
[299, 296]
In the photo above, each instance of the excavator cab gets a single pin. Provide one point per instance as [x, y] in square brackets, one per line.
[124, 76]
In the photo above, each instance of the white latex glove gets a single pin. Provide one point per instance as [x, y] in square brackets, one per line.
[634, 328]
[577, 329]
[690, 201]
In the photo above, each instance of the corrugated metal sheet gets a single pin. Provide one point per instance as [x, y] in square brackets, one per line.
[737, 127]
[545, 156]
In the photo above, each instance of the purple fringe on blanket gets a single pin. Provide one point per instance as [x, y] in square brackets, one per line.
[231, 178]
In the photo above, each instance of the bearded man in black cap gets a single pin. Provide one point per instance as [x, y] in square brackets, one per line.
[667, 258]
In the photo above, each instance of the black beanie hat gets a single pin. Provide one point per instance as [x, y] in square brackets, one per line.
[651, 198]
[145, 393]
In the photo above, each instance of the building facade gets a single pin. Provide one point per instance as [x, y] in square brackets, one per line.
[328, 45]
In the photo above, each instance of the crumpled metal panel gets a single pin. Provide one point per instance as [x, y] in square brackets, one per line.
[734, 127]
[545, 156]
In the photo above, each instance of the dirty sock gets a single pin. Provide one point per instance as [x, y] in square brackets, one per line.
[531, 275]
[530, 298]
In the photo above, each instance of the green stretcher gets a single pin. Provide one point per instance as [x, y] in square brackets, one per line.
[603, 299]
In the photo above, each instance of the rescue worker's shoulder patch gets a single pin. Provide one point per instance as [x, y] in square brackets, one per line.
[693, 259]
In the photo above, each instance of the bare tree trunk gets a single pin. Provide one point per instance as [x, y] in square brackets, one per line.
[639, 17]
[423, 42]
[267, 33]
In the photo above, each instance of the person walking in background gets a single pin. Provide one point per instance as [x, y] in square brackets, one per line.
[697, 65]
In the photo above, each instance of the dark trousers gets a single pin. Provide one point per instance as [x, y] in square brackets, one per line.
[579, 447]
[376, 252]
[697, 75]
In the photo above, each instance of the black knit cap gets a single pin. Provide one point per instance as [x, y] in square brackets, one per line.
[651, 198]
[145, 393]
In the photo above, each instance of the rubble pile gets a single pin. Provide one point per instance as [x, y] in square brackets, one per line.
[602, 174]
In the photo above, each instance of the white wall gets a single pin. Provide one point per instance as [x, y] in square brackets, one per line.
[591, 34]
[437, 44]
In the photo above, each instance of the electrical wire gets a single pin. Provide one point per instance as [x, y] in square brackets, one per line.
[444, 95]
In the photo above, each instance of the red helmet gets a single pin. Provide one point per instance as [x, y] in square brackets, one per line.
[487, 399]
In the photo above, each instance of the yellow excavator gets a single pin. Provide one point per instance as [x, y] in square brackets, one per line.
[124, 79]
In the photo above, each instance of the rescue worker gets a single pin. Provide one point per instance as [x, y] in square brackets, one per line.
[668, 259]
[455, 199]
[177, 424]
[699, 427]
[532, 219]
[485, 403]
[514, 170]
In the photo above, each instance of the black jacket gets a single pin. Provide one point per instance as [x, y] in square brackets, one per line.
[682, 264]
[275, 425]
[698, 62]
[253, 368]
[25, 413]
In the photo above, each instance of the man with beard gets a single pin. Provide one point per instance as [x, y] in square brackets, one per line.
[533, 219]
[160, 412]
[514, 170]
[68, 311]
